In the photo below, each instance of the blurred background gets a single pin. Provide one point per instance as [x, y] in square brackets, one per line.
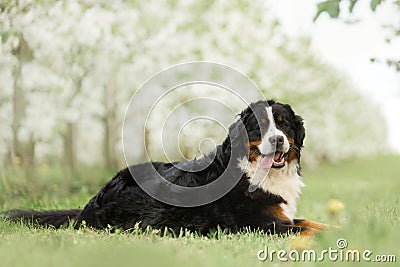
[68, 70]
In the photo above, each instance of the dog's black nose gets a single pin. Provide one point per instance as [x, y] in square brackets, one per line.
[276, 140]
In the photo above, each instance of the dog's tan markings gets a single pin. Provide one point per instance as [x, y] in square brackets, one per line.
[311, 225]
[309, 232]
[292, 154]
[279, 118]
[254, 153]
[254, 143]
[279, 213]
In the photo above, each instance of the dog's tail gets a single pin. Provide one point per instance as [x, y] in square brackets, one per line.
[55, 218]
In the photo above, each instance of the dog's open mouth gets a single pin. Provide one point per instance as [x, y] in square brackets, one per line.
[276, 160]
[279, 160]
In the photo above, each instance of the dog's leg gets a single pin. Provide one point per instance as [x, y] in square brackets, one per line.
[312, 227]
[283, 228]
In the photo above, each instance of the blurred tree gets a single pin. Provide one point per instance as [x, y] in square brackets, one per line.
[333, 8]
[89, 57]
[110, 123]
[22, 151]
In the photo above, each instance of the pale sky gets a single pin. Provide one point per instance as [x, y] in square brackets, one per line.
[349, 47]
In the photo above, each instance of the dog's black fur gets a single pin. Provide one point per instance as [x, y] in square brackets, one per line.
[121, 203]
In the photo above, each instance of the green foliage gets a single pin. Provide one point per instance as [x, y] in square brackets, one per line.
[4, 37]
[374, 4]
[352, 4]
[332, 7]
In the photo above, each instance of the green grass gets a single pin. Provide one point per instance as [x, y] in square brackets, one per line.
[368, 189]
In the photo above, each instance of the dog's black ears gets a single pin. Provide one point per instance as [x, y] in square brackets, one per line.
[237, 134]
[300, 131]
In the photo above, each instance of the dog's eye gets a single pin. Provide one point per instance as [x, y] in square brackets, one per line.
[283, 123]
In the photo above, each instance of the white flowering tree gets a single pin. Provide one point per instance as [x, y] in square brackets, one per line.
[69, 68]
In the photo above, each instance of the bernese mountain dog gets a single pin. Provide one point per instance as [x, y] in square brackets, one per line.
[264, 197]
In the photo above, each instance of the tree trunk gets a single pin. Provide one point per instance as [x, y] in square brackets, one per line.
[22, 153]
[70, 135]
[111, 126]
[70, 147]
[18, 112]
[29, 158]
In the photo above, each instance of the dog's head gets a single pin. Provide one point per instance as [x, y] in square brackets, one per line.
[270, 132]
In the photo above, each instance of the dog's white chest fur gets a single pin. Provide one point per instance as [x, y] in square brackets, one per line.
[284, 182]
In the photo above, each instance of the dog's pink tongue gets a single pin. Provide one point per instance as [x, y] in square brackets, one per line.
[266, 162]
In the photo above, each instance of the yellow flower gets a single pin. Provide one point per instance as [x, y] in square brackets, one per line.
[56, 187]
[335, 206]
[300, 242]
[17, 160]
